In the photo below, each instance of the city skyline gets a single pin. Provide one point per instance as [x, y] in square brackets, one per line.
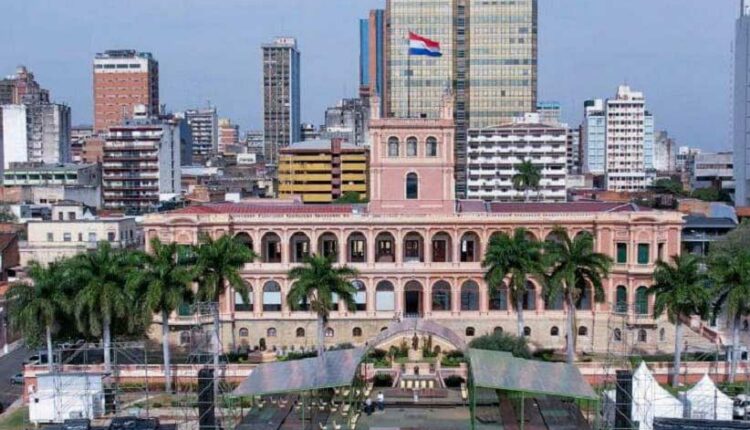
[577, 60]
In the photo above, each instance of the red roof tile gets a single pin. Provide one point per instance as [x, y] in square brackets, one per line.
[497, 207]
[262, 208]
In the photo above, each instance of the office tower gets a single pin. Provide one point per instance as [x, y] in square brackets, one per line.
[742, 106]
[665, 153]
[348, 120]
[124, 79]
[204, 124]
[594, 137]
[141, 162]
[229, 135]
[495, 152]
[627, 124]
[281, 96]
[372, 55]
[489, 63]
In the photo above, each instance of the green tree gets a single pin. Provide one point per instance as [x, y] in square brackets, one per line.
[527, 177]
[6, 215]
[680, 291]
[217, 263]
[102, 298]
[574, 267]
[668, 186]
[351, 197]
[315, 282]
[515, 257]
[731, 276]
[38, 307]
[164, 283]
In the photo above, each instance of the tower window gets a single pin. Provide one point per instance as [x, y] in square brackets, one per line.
[412, 186]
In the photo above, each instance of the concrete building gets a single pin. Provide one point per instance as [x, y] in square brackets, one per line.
[281, 96]
[320, 171]
[74, 229]
[79, 134]
[549, 112]
[204, 125]
[50, 183]
[714, 170]
[574, 151]
[489, 63]
[494, 153]
[21, 88]
[741, 131]
[35, 132]
[141, 164]
[348, 120]
[254, 141]
[418, 252]
[123, 79]
[665, 153]
[308, 132]
[372, 56]
[594, 137]
[627, 130]
[229, 136]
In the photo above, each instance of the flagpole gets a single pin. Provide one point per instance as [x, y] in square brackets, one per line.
[408, 79]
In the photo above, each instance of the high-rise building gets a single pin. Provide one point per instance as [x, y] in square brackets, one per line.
[594, 137]
[308, 131]
[489, 52]
[713, 170]
[123, 79]
[78, 136]
[573, 150]
[141, 162]
[229, 135]
[35, 132]
[742, 106]
[348, 120]
[281, 96]
[649, 142]
[21, 88]
[665, 153]
[204, 124]
[372, 55]
[627, 130]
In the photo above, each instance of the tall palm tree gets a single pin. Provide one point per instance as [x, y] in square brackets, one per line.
[515, 257]
[679, 290]
[164, 284]
[36, 308]
[527, 177]
[102, 297]
[574, 267]
[217, 263]
[316, 281]
[731, 275]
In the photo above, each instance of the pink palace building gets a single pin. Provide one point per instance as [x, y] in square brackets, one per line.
[419, 252]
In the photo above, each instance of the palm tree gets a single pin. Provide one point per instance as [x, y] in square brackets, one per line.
[102, 297]
[316, 281]
[216, 264]
[731, 275]
[516, 257]
[164, 284]
[680, 291]
[527, 177]
[37, 307]
[575, 266]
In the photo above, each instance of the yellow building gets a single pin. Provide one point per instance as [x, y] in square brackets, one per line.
[320, 171]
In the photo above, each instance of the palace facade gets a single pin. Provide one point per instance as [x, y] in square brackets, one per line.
[418, 252]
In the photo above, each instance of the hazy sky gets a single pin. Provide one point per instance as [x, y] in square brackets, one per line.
[677, 51]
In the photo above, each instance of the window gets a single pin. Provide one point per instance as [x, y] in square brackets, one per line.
[66, 237]
[621, 303]
[244, 332]
[92, 237]
[184, 337]
[431, 147]
[240, 305]
[72, 216]
[469, 248]
[583, 331]
[642, 336]
[527, 331]
[661, 335]
[412, 186]
[50, 237]
[617, 335]
[271, 248]
[384, 296]
[554, 331]
[329, 332]
[641, 301]
[643, 253]
[356, 332]
[411, 147]
[660, 251]
[529, 297]
[470, 331]
[271, 297]
[80, 237]
[470, 296]
[499, 298]
[441, 296]
[497, 329]
[360, 295]
[393, 147]
[357, 246]
[271, 332]
[111, 236]
[300, 332]
[622, 253]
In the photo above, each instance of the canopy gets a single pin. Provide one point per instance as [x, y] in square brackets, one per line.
[335, 369]
[705, 401]
[502, 371]
[650, 400]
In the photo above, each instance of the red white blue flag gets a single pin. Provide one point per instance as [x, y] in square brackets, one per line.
[419, 45]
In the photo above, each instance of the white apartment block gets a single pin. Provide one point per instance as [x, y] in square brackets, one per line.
[626, 135]
[494, 153]
[35, 132]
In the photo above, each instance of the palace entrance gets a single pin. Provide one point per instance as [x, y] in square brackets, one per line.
[413, 300]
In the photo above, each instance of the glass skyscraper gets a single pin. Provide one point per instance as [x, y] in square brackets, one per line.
[741, 130]
[372, 55]
[281, 96]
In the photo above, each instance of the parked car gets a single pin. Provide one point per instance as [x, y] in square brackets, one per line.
[741, 407]
[16, 379]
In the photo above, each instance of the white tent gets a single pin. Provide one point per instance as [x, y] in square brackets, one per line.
[650, 400]
[705, 401]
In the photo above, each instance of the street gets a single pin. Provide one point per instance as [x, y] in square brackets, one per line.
[10, 365]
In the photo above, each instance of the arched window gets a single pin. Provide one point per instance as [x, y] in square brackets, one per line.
[621, 300]
[271, 332]
[328, 246]
[244, 239]
[617, 335]
[431, 147]
[662, 335]
[384, 296]
[300, 332]
[185, 337]
[240, 305]
[329, 332]
[527, 331]
[412, 186]
[413, 247]
[299, 247]
[499, 298]
[411, 146]
[529, 297]
[383, 328]
[244, 332]
[469, 248]
[356, 332]
[470, 331]
[584, 300]
[393, 147]
[271, 248]
[642, 336]
[583, 331]
[745, 325]
[271, 297]
[357, 246]
[360, 295]
[441, 296]
[554, 302]
[497, 329]
[554, 331]
[641, 301]
[470, 296]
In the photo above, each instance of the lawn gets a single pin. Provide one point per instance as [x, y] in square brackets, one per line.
[16, 420]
